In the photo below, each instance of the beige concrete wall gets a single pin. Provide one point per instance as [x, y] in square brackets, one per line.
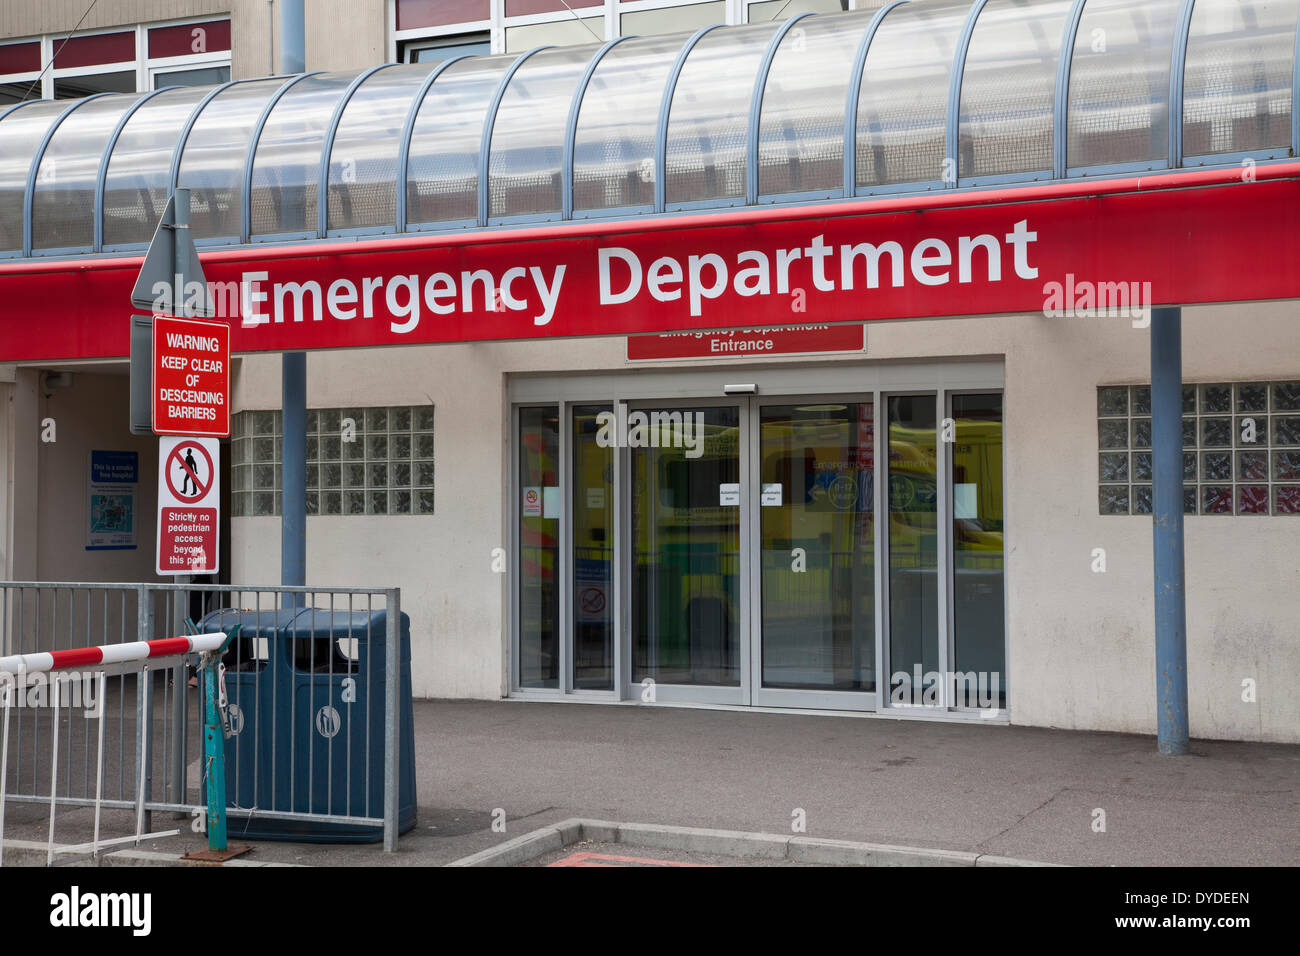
[346, 34]
[22, 476]
[43, 496]
[92, 414]
[1081, 645]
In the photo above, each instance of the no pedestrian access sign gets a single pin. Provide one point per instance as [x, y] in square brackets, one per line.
[188, 505]
[191, 377]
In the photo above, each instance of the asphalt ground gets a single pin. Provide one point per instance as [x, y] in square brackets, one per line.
[490, 771]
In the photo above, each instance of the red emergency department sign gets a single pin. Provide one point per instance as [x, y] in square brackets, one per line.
[191, 377]
[1071, 250]
[188, 510]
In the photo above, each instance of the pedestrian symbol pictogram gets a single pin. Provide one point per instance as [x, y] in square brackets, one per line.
[189, 472]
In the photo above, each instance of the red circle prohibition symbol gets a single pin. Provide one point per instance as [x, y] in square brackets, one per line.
[593, 600]
[182, 468]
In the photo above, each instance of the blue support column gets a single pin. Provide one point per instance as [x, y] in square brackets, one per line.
[293, 36]
[1167, 529]
[293, 475]
[293, 472]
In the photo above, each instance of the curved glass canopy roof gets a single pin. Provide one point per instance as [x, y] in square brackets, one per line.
[900, 96]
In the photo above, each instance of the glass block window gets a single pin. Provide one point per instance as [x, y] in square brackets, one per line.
[1241, 449]
[360, 461]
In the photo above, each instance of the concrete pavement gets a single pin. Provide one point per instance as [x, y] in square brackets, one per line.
[1028, 793]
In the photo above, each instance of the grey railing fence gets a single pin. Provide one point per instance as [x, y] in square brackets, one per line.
[313, 677]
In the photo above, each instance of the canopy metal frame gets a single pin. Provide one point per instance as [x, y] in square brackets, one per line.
[321, 229]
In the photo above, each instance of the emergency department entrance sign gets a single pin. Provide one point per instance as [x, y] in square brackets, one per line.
[189, 516]
[191, 377]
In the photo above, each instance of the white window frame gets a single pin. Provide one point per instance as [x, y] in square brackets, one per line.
[733, 11]
[161, 67]
[29, 77]
[434, 43]
[853, 5]
[490, 26]
[152, 67]
[51, 42]
[146, 68]
[608, 11]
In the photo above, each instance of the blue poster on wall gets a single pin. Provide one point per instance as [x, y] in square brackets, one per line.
[112, 483]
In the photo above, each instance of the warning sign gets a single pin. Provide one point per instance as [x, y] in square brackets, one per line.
[592, 576]
[188, 510]
[191, 377]
[532, 502]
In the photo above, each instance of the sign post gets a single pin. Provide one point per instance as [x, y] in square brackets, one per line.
[171, 281]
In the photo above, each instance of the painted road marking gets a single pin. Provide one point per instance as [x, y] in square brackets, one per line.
[584, 858]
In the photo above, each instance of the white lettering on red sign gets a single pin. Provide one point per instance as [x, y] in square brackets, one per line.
[695, 278]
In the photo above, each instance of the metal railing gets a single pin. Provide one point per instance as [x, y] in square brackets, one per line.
[79, 678]
[313, 715]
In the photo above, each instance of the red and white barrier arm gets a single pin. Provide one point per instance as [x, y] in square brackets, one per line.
[89, 657]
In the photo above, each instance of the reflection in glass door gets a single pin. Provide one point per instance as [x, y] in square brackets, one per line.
[539, 545]
[592, 507]
[685, 534]
[730, 549]
[913, 552]
[978, 611]
[817, 547]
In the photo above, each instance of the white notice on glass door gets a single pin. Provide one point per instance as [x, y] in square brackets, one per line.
[771, 497]
[729, 495]
[965, 506]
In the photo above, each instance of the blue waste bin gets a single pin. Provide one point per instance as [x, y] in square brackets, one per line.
[310, 718]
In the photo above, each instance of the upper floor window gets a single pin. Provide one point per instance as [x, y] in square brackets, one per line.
[118, 60]
[445, 48]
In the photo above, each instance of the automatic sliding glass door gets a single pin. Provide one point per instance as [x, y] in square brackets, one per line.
[944, 612]
[592, 507]
[537, 561]
[912, 542]
[978, 604]
[838, 551]
[815, 501]
[685, 577]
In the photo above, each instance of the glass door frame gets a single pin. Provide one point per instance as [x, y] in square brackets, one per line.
[761, 696]
[704, 386]
[943, 550]
[694, 693]
[513, 548]
[950, 586]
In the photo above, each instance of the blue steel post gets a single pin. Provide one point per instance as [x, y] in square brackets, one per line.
[293, 488]
[293, 502]
[293, 36]
[1167, 529]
